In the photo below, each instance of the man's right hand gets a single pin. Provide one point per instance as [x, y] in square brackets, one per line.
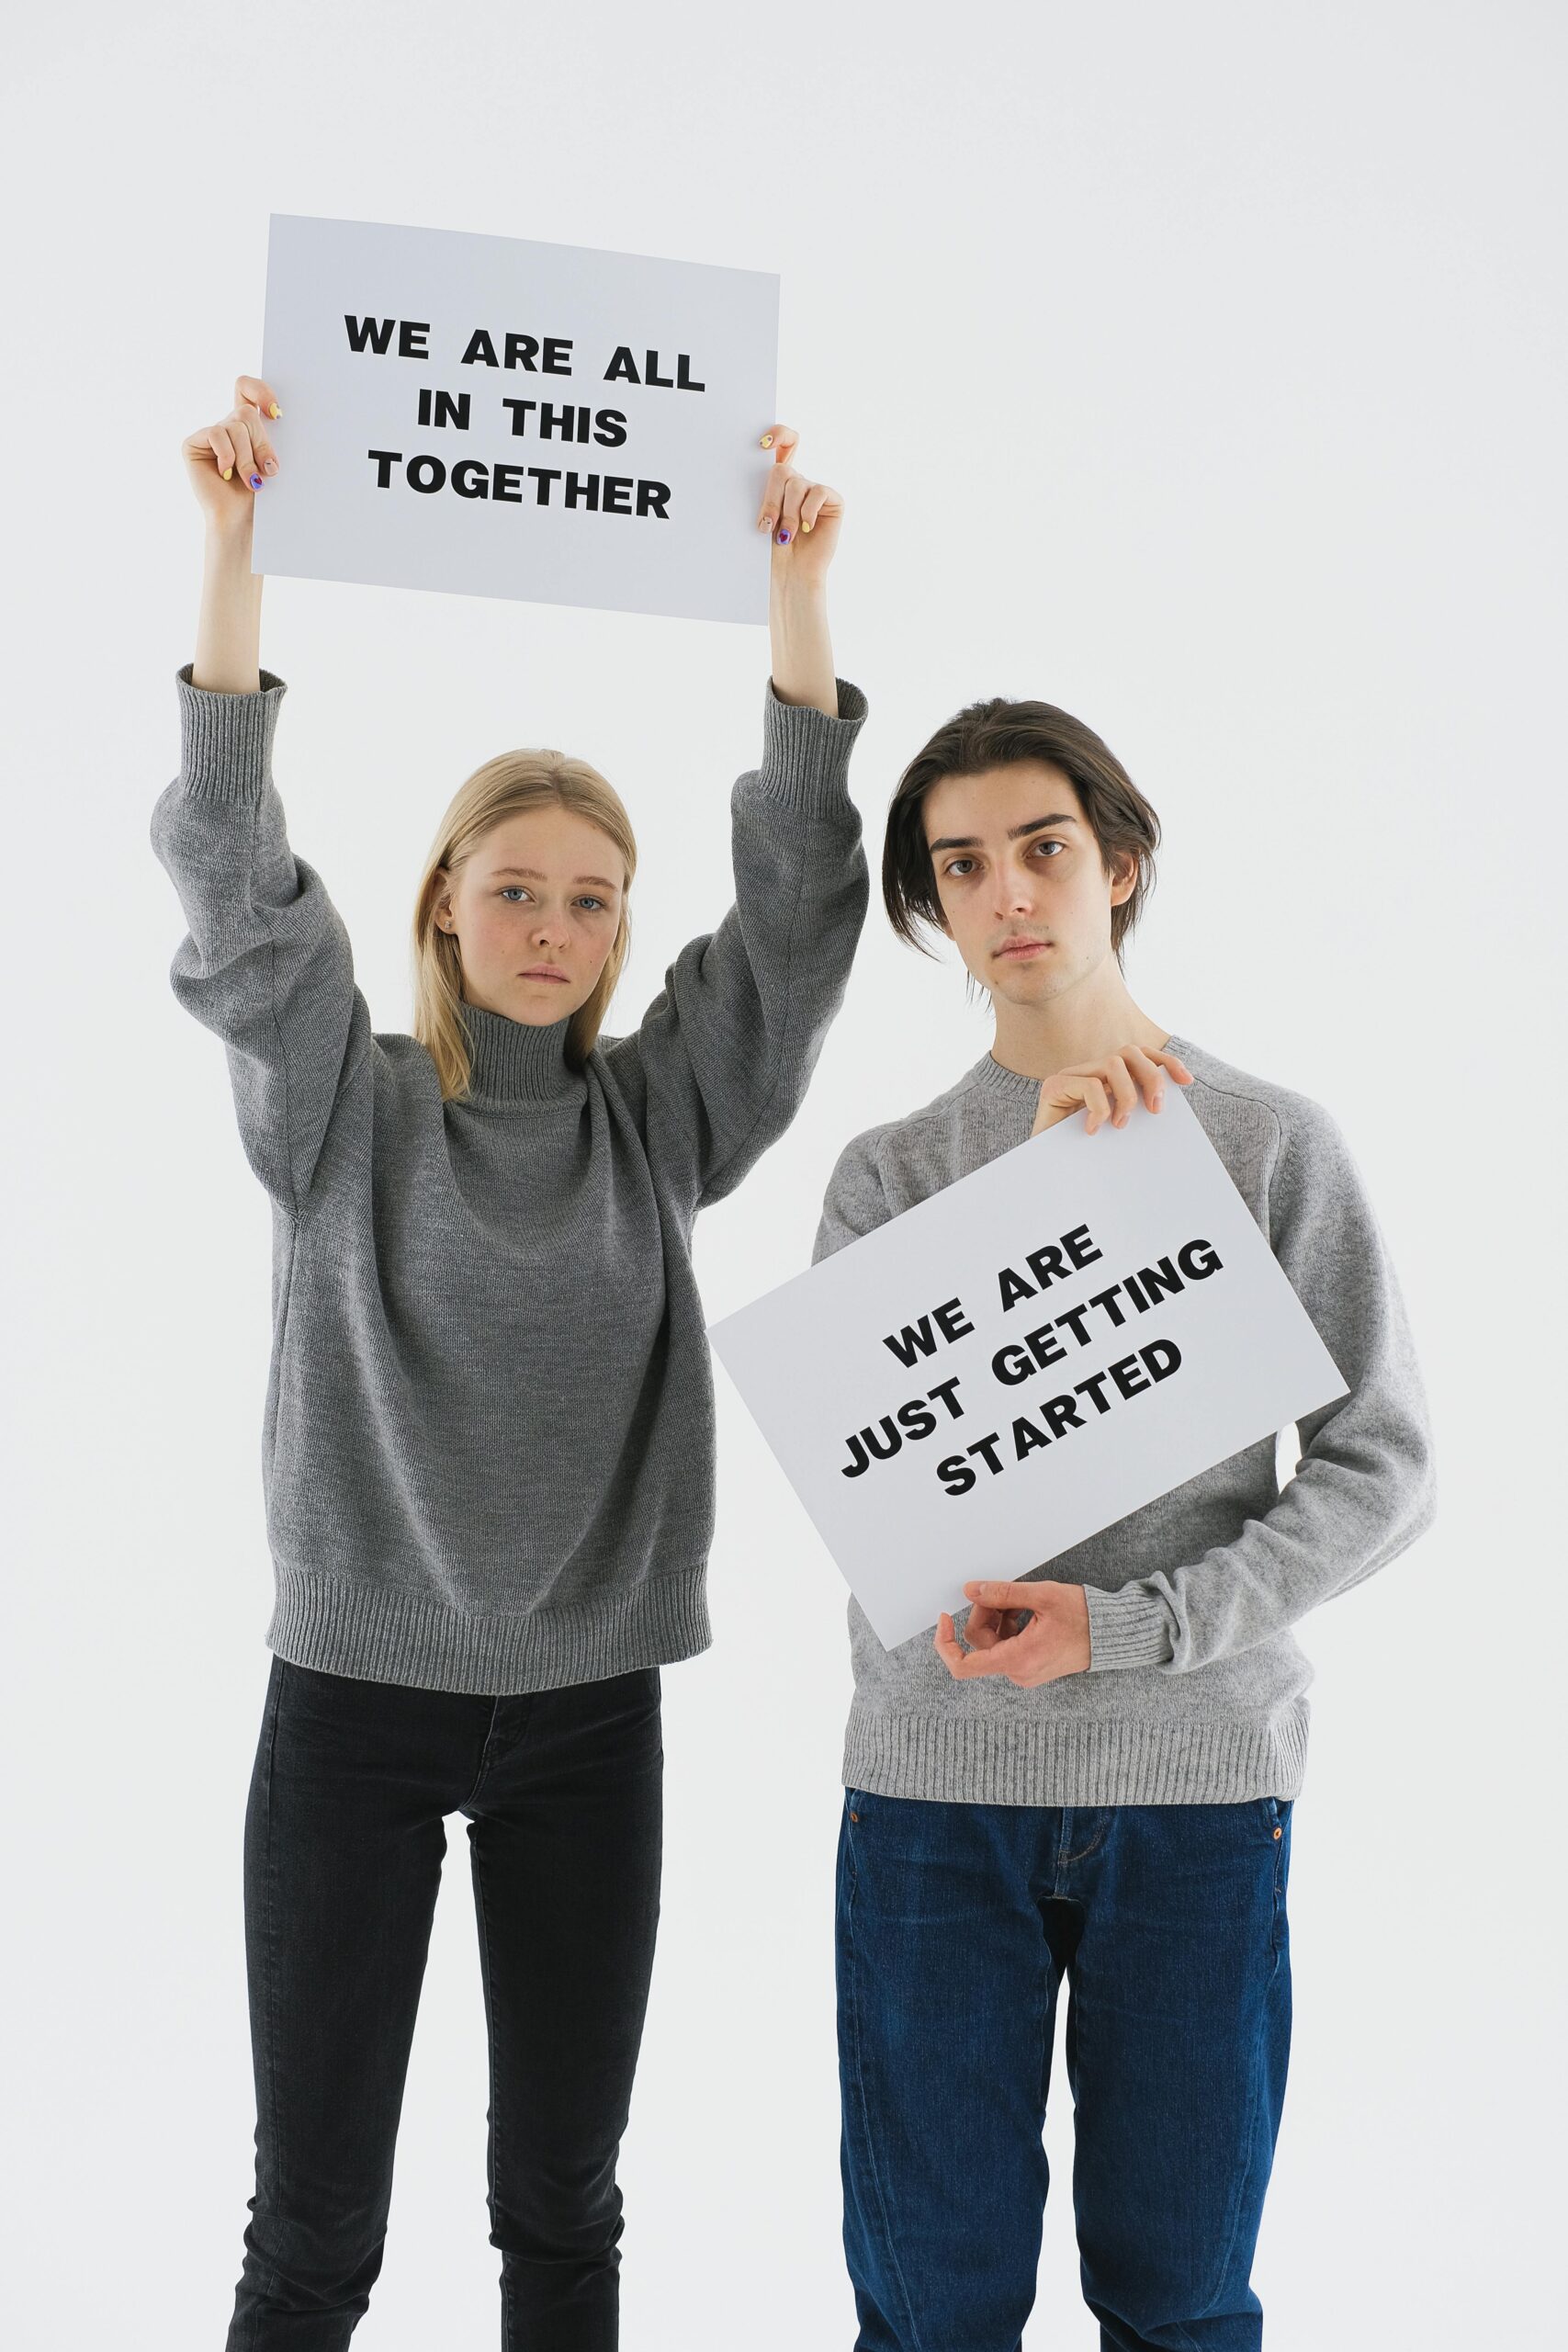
[1108, 1087]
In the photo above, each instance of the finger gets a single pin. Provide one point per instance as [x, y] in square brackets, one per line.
[251, 390]
[782, 440]
[246, 466]
[989, 1594]
[795, 489]
[217, 439]
[962, 1669]
[818, 500]
[1123, 1093]
[1095, 1102]
[1148, 1074]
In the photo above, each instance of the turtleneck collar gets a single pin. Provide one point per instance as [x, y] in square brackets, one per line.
[516, 1062]
[1014, 1086]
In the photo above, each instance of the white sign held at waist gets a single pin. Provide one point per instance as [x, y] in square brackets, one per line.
[1023, 1358]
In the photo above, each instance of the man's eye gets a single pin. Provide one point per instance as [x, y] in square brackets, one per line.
[953, 866]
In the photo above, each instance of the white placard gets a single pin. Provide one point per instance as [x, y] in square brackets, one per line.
[502, 418]
[920, 1474]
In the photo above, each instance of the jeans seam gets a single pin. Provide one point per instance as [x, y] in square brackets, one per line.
[894, 2265]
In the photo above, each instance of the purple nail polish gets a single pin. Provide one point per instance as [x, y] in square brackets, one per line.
[255, 481]
[784, 539]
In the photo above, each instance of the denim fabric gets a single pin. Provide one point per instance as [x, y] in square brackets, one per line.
[956, 1925]
[343, 1844]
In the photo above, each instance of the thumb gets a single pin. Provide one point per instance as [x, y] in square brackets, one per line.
[1004, 1595]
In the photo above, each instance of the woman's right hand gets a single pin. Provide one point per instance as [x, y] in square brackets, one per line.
[229, 462]
[1094, 1086]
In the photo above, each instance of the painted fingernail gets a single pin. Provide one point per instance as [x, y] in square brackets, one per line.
[805, 527]
[784, 539]
[275, 410]
[255, 481]
[767, 440]
[227, 471]
[269, 465]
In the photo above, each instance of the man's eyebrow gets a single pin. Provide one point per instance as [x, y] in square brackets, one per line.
[1015, 833]
[532, 874]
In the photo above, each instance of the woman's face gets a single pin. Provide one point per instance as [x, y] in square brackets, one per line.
[535, 910]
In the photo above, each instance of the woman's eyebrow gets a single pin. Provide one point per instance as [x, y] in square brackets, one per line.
[532, 874]
[1015, 833]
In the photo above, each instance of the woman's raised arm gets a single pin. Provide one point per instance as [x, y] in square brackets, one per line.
[265, 964]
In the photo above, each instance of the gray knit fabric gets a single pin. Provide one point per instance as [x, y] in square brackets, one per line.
[1196, 1690]
[488, 1439]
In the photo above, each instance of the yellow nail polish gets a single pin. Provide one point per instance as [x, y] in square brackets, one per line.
[767, 440]
[275, 410]
[227, 471]
[806, 526]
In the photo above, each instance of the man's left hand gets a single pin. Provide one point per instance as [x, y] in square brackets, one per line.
[1032, 1633]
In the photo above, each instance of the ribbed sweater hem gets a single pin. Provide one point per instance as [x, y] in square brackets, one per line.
[382, 1633]
[1120, 1761]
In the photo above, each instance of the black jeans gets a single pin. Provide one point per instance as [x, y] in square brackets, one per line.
[344, 1843]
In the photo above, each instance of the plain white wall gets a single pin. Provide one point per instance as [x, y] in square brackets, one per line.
[1199, 369]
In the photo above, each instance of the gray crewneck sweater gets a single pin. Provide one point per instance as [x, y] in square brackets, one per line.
[1196, 1689]
[487, 1436]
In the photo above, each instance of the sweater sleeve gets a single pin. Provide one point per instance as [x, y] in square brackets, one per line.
[265, 962]
[722, 1057]
[1365, 1487]
[854, 1202]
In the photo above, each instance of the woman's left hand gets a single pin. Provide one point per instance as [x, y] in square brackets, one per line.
[1052, 1641]
[802, 516]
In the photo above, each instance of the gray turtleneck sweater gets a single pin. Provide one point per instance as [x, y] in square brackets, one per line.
[1196, 1688]
[488, 1437]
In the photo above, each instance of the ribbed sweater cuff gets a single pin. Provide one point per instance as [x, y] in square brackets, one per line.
[226, 739]
[1126, 1628]
[806, 754]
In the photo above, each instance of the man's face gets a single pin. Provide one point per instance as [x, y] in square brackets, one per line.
[534, 909]
[1023, 895]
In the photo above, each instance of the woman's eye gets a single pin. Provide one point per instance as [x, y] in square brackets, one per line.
[509, 887]
[589, 902]
[953, 866]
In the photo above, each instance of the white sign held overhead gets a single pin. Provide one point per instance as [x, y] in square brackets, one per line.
[1024, 1358]
[497, 417]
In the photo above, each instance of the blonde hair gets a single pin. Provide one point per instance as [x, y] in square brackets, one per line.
[511, 782]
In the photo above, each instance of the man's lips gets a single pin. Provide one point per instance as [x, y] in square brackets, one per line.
[1021, 947]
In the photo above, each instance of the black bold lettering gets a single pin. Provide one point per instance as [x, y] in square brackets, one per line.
[1127, 1377]
[955, 1475]
[1196, 1268]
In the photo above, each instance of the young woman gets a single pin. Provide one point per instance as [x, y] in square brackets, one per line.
[489, 1422]
[1096, 1786]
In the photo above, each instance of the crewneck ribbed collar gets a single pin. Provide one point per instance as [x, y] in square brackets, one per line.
[519, 1061]
[1014, 1086]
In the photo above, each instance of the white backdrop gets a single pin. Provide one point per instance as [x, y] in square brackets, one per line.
[1198, 368]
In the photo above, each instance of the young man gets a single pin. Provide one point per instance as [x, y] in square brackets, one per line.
[1099, 1787]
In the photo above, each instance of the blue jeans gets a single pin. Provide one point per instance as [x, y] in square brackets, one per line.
[956, 1924]
[344, 1835]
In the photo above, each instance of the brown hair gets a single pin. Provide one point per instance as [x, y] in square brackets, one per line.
[511, 781]
[998, 734]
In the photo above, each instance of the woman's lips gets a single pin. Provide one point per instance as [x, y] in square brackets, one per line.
[541, 976]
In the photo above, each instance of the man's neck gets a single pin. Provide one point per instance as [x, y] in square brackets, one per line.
[1061, 1035]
